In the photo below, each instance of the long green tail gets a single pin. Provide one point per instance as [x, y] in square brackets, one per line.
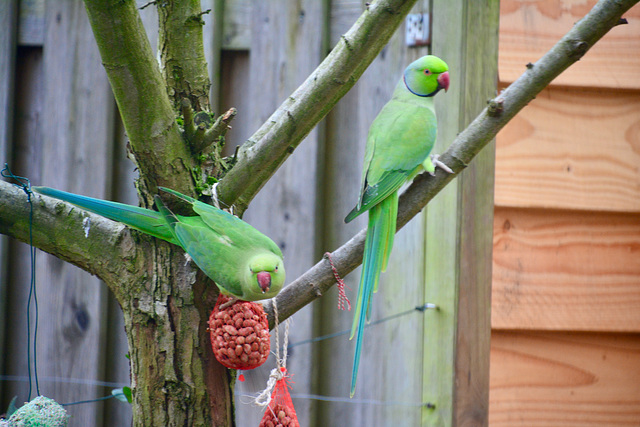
[145, 220]
[377, 247]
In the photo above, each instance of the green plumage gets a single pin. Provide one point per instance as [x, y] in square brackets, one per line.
[230, 251]
[398, 146]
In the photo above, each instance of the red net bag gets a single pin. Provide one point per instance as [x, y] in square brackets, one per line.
[280, 412]
[239, 334]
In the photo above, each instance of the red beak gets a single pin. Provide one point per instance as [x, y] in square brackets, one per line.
[264, 280]
[443, 80]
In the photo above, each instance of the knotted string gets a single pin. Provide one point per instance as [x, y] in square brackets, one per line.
[342, 295]
[214, 197]
[279, 372]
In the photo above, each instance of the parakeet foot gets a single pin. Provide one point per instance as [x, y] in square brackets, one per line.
[437, 163]
[229, 303]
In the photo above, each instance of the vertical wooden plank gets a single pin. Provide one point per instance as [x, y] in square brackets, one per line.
[76, 150]
[117, 367]
[8, 20]
[31, 25]
[286, 47]
[25, 162]
[389, 381]
[236, 27]
[459, 224]
[234, 82]
[212, 35]
[149, 16]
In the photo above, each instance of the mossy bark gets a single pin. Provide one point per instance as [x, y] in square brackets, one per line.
[182, 52]
[166, 302]
[139, 89]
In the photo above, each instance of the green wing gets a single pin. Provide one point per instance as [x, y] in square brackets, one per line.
[400, 139]
[214, 254]
[229, 226]
[221, 245]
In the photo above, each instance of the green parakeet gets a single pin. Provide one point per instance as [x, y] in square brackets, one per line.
[398, 146]
[242, 261]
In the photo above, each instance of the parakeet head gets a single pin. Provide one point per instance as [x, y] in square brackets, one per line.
[267, 275]
[426, 76]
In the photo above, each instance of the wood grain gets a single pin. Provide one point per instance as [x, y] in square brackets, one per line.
[76, 151]
[391, 362]
[564, 379]
[529, 28]
[573, 149]
[564, 270]
[286, 46]
[458, 249]
[8, 30]
[32, 23]
[237, 25]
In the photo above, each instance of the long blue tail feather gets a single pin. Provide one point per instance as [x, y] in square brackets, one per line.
[145, 220]
[378, 244]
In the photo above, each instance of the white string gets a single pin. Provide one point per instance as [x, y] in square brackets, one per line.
[214, 197]
[277, 373]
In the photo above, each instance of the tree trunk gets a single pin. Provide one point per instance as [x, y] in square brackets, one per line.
[175, 378]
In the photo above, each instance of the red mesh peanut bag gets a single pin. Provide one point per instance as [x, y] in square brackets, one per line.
[280, 412]
[239, 334]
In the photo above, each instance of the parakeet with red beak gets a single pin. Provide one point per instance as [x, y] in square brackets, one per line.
[242, 261]
[398, 148]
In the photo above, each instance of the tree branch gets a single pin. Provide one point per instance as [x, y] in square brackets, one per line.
[269, 147]
[605, 15]
[89, 241]
[182, 51]
[145, 108]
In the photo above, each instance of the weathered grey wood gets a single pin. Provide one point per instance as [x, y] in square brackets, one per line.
[117, 365]
[392, 352]
[234, 79]
[149, 16]
[76, 155]
[8, 21]
[31, 26]
[385, 375]
[213, 36]
[459, 226]
[286, 47]
[27, 159]
[237, 25]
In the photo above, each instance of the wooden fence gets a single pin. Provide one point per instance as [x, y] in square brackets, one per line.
[60, 128]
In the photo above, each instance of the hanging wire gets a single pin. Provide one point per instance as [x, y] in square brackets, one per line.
[25, 184]
[80, 402]
[419, 308]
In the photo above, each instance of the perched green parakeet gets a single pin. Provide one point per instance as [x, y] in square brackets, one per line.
[242, 261]
[398, 146]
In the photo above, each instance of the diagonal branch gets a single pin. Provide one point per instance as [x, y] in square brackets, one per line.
[269, 147]
[147, 114]
[605, 15]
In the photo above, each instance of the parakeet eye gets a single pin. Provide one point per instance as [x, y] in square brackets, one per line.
[427, 72]
[276, 268]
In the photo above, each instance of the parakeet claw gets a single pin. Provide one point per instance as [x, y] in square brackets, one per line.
[437, 163]
[229, 303]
